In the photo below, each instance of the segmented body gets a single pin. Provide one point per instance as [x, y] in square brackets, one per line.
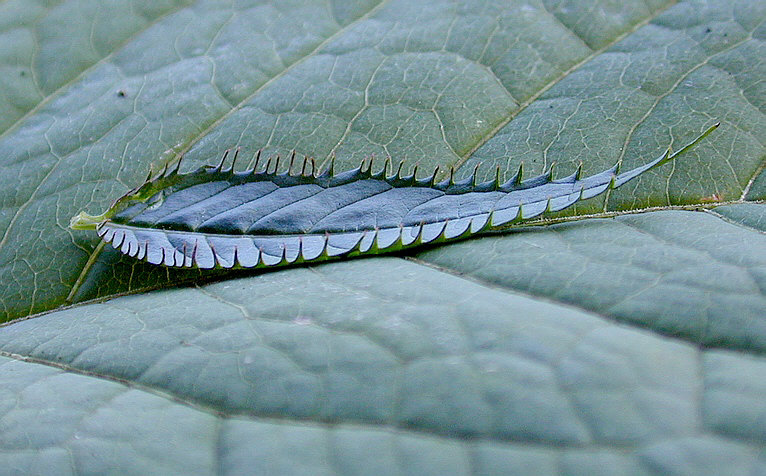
[216, 217]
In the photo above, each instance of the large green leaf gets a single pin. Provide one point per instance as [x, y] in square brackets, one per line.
[630, 341]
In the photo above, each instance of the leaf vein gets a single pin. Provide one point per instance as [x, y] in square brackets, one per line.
[483, 140]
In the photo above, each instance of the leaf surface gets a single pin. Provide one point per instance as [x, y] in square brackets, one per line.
[412, 369]
[630, 342]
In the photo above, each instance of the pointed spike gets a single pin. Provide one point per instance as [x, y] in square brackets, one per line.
[215, 255]
[668, 156]
[313, 166]
[303, 165]
[414, 176]
[452, 175]
[177, 165]
[300, 256]
[490, 185]
[578, 172]
[615, 172]
[398, 174]
[276, 164]
[259, 259]
[369, 167]
[234, 160]
[571, 178]
[419, 238]
[330, 170]
[474, 175]
[292, 161]
[432, 180]
[358, 246]
[193, 259]
[519, 174]
[223, 159]
[283, 260]
[400, 241]
[374, 246]
[354, 174]
[324, 252]
[257, 158]
[441, 235]
[550, 172]
[380, 174]
[387, 165]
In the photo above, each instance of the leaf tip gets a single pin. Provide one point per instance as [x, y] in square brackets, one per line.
[668, 156]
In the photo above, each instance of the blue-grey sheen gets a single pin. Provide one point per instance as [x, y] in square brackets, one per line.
[216, 217]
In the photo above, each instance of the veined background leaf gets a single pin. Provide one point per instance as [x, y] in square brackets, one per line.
[614, 345]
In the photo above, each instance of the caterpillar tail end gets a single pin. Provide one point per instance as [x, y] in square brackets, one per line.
[668, 156]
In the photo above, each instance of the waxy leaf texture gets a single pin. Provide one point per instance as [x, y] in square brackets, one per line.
[622, 335]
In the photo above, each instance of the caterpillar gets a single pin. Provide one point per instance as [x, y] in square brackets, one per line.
[217, 217]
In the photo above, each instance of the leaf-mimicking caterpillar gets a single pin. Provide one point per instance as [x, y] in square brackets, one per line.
[217, 217]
